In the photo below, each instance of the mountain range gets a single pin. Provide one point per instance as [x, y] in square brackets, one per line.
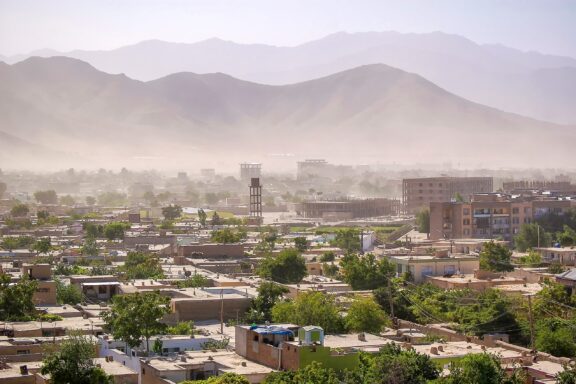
[528, 83]
[61, 110]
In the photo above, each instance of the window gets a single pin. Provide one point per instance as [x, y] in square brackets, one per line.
[466, 231]
[515, 211]
[427, 271]
[466, 221]
[23, 352]
[102, 289]
[43, 290]
[466, 211]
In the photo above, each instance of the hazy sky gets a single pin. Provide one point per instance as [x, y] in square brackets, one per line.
[548, 26]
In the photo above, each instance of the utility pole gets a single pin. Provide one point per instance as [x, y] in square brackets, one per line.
[222, 311]
[391, 299]
[538, 226]
[531, 316]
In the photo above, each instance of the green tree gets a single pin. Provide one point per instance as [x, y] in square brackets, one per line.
[90, 200]
[93, 230]
[172, 212]
[330, 270]
[73, 363]
[115, 230]
[528, 237]
[364, 315]
[43, 246]
[16, 302]
[46, 197]
[495, 257]
[532, 259]
[556, 337]
[136, 316]
[182, 328]
[423, 220]
[3, 188]
[310, 308]
[67, 200]
[480, 368]
[9, 243]
[269, 294]
[567, 238]
[112, 199]
[202, 216]
[286, 267]
[90, 247]
[195, 281]
[19, 210]
[139, 265]
[365, 272]
[301, 244]
[556, 268]
[567, 376]
[393, 365]
[227, 236]
[42, 215]
[216, 219]
[227, 378]
[348, 240]
[67, 294]
[328, 256]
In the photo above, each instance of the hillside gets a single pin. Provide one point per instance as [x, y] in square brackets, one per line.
[527, 83]
[367, 114]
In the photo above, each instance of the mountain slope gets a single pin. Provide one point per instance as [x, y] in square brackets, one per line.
[527, 83]
[366, 114]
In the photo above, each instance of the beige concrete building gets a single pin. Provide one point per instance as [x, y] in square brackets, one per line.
[490, 216]
[423, 266]
[418, 193]
[564, 255]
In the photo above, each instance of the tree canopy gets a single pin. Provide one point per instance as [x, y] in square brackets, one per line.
[348, 240]
[528, 237]
[139, 265]
[46, 197]
[136, 316]
[73, 363]
[366, 272]
[310, 308]
[423, 220]
[227, 236]
[286, 267]
[365, 315]
[495, 257]
[16, 300]
[19, 210]
[269, 294]
[172, 212]
[115, 230]
[480, 368]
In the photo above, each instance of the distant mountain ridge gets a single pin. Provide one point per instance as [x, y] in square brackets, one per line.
[370, 113]
[527, 83]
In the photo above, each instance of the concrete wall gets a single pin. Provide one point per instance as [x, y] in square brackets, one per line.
[209, 309]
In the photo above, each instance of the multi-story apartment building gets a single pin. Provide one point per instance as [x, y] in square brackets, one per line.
[489, 216]
[420, 192]
[348, 209]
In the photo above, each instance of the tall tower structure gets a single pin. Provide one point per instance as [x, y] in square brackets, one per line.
[255, 201]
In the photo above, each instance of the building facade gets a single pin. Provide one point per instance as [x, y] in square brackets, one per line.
[348, 209]
[420, 192]
[489, 216]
